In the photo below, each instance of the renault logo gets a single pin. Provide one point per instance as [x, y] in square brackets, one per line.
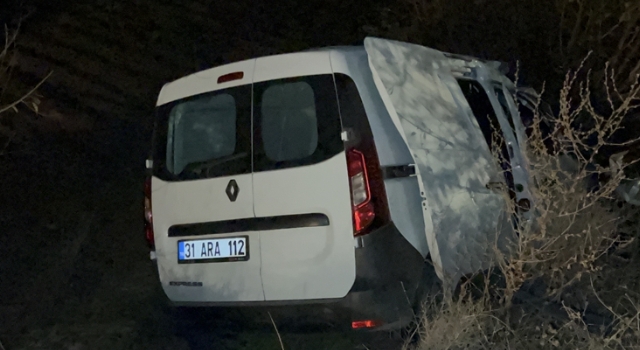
[232, 190]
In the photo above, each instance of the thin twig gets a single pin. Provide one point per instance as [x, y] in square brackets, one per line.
[25, 96]
[276, 328]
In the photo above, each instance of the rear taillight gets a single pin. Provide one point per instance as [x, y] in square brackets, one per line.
[148, 216]
[362, 208]
[365, 324]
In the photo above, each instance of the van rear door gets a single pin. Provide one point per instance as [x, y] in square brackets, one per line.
[300, 181]
[456, 171]
[202, 188]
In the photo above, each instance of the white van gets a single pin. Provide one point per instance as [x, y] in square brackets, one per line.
[327, 177]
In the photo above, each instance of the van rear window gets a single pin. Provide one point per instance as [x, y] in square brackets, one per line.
[201, 130]
[289, 121]
[296, 122]
[204, 136]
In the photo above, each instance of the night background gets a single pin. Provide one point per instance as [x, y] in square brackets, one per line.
[74, 267]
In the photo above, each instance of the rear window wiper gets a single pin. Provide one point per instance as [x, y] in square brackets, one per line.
[198, 167]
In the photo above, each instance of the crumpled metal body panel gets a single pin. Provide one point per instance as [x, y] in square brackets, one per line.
[464, 220]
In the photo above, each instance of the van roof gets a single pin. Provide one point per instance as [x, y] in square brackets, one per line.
[345, 50]
[337, 49]
[341, 49]
[217, 70]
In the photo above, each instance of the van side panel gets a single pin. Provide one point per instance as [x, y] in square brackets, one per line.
[403, 194]
[452, 165]
[391, 148]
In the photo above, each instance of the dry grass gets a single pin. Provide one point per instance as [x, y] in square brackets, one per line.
[568, 280]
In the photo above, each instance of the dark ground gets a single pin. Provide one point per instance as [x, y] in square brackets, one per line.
[75, 271]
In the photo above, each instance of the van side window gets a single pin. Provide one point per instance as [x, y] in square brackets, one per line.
[483, 112]
[204, 136]
[488, 121]
[505, 106]
[296, 122]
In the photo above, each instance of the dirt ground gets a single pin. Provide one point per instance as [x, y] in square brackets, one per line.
[75, 271]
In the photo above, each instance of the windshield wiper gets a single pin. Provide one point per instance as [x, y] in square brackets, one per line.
[198, 167]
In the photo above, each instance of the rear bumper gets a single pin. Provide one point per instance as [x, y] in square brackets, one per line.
[388, 271]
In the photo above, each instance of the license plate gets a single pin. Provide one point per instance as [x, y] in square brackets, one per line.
[213, 250]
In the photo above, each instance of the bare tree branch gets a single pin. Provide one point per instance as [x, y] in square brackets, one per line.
[25, 96]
